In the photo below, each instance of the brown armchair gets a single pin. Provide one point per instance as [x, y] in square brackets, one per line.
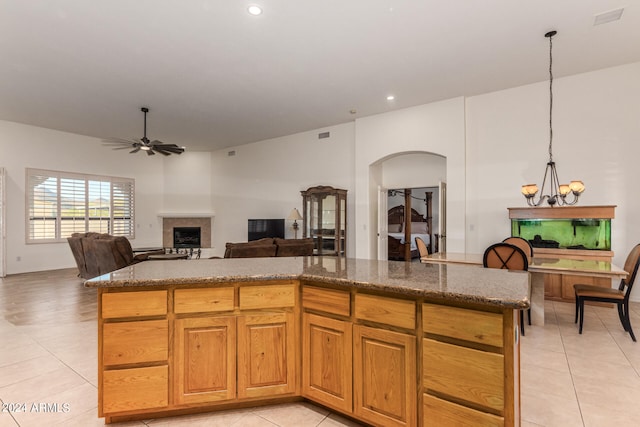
[96, 254]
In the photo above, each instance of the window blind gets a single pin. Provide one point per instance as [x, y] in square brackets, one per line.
[63, 203]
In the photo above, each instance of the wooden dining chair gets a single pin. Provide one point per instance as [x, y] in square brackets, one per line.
[619, 296]
[507, 256]
[422, 247]
[522, 244]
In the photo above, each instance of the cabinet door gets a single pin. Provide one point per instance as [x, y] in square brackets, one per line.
[266, 355]
[326, 361]
[384, 371]
[205, 359]
[553, 286]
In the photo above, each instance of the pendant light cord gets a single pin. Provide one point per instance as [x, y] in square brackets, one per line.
[550, 98]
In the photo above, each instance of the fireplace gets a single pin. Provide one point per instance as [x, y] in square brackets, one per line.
[186, 237]
[180, 221]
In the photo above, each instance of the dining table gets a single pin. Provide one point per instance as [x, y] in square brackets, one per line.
[538, 268]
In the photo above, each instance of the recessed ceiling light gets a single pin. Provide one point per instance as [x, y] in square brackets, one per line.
[390, 98]
[254, 10]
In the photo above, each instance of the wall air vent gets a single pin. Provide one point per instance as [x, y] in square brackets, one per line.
[231, 153]
[323, 135]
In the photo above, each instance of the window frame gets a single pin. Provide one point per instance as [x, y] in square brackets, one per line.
[121, 204]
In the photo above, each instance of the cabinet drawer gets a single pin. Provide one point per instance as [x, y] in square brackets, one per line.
[442, 413]
[134, 304]
[464, 324]
[268, 296]
[133, 389]
[390, 311]
[464, 373]
[326, 300]
[135, 342]
[203, 300]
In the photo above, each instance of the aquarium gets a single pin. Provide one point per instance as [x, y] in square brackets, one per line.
[571, 233]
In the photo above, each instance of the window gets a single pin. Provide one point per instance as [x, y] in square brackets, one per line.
[61, 203]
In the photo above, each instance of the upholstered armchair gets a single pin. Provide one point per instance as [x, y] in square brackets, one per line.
[96, 254]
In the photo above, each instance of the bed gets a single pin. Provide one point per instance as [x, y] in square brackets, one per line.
[419, 227]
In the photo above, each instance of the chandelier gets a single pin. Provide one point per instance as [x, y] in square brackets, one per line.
[558, 194]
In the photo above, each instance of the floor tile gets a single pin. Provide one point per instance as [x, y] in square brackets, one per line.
[293, 414]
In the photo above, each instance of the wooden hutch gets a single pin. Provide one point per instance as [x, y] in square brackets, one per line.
[325, 219]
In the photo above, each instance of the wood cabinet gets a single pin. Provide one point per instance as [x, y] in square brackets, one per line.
[133, 359]
[325, 219]
[327, 347]
[468, 371]
[559, 287]
[229, 343]
[366, 371]
[379, 357]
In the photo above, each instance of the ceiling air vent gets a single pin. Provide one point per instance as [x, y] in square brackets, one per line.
[605, 17]
[323, 135]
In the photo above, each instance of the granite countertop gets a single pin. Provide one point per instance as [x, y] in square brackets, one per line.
[463, 283]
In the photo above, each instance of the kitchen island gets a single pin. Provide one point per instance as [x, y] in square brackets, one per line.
[386, 343]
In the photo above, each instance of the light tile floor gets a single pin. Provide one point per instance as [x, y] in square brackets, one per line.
[589, 380]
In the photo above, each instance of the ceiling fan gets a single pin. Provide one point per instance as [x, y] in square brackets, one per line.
[151, 147]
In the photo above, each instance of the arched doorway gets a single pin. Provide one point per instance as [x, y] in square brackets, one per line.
[409, 170]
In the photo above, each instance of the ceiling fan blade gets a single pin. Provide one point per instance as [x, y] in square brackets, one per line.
[172, 148]
[175, 150]
[135, 150]
[161, 151]
[121, 141]
[150, 152]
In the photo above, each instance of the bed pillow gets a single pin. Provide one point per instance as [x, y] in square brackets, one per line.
[394, 228]
[419, 228]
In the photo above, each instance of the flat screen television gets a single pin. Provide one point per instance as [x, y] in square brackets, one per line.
[261, 228]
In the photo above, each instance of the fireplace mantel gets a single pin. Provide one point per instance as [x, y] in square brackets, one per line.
[186, 215]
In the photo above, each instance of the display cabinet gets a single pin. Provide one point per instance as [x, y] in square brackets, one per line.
[325, 219]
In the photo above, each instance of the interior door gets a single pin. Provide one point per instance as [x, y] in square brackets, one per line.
[383, 229]
[443, 217]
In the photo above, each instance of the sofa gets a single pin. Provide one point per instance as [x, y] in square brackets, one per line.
[97, 253]
[270, 247]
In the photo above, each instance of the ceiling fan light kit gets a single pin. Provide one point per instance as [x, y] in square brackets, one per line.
[144, 144]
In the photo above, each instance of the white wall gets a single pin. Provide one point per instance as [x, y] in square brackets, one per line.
[436, 128]
[23, 146]
[187, 183]
[264, 180]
